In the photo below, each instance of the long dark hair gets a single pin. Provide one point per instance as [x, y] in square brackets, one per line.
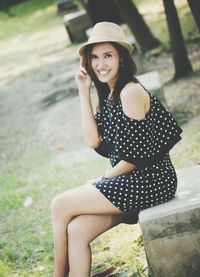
[127, 70]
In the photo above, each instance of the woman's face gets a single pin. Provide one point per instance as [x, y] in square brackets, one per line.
[105, 63]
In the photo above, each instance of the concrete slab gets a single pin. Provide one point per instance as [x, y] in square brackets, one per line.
[151, 81]
[76, 25]
[171, 231]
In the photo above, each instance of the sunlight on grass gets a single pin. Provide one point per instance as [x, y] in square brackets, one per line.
[26, 237]
[122, 241]
[26, 243]
[29, 17]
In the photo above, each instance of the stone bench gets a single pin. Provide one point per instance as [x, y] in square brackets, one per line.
[76, 25]
[171, 231]
[151, 81]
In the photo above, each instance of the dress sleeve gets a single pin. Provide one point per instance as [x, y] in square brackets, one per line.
[103, 149]
[145, 142]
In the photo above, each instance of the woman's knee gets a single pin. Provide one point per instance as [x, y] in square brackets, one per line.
[57, 206]
[77, 230]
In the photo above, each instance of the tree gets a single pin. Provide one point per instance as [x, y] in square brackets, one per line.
[137, 25]
[181, 62]
[102, 10]
[195, 8]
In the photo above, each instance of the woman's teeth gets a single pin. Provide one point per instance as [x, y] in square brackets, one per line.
[103, 72]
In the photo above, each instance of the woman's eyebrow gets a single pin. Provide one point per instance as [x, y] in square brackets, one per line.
[107, 52]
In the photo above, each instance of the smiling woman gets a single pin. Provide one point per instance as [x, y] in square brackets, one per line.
[133, 130]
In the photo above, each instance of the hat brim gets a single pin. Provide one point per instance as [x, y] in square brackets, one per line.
[126, 45]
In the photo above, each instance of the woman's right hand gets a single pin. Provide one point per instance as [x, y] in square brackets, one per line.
[83, 80]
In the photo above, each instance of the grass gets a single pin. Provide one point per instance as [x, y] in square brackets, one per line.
[28, 17]
[26, 237]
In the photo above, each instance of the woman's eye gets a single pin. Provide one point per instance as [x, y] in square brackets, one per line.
[92, 57]
[108, 55]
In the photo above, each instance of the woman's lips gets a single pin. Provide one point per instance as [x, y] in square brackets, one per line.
[103, 72]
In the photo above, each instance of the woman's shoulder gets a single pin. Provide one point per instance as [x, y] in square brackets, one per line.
[135, 100]
[133, 90]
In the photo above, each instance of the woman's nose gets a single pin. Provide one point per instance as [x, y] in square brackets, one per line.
[102, 63]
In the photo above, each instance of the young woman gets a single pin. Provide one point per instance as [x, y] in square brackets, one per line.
[132, 129]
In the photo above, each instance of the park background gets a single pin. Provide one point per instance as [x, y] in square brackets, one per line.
[42, 151]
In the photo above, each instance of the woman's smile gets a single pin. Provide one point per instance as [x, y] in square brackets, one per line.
[103, 72]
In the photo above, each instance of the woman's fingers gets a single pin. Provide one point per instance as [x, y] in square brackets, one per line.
[81, 74]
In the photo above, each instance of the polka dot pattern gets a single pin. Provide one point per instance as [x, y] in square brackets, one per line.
[145, 143]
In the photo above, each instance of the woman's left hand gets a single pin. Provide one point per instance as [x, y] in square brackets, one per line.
[83, 80]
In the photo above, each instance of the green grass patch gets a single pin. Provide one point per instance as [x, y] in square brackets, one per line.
[26, 247]
[26, 238]
[29, 17]
[34, 176]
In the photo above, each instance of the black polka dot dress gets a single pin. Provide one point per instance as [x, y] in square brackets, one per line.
[145, 143]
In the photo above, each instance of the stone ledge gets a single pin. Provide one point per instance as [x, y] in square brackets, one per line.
[151, 81]
[171, 231]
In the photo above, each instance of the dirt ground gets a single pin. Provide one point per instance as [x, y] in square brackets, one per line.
[39, 104]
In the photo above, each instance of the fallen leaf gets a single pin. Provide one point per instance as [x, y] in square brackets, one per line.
[28, 201]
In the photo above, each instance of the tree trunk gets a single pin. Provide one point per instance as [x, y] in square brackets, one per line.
[181, 62]
[102, 10]
[137, 25]
[195, 8]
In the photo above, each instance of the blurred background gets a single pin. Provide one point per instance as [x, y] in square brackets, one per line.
[41, 148]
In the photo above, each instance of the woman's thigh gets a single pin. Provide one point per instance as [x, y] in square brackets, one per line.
[87, 227]
[85, 199]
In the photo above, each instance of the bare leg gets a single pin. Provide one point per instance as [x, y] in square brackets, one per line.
[79, 201]
[61, 264]
[81, 231]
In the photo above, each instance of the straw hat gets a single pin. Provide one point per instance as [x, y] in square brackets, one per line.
[107, 32]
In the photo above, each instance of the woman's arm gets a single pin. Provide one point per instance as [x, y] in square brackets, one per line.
[88, 122]
[121, 168]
